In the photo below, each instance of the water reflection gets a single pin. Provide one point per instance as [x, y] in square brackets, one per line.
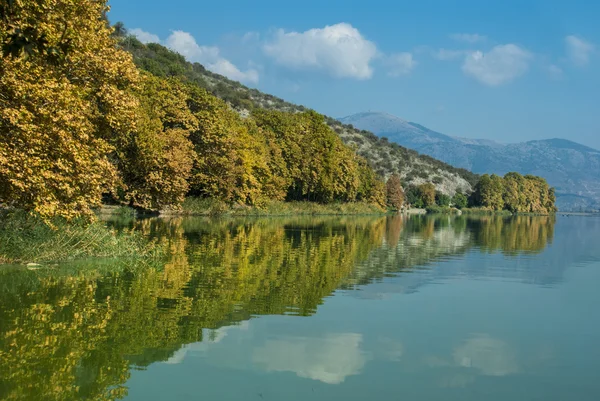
[76, 336]
[490, 356]
[329, 358]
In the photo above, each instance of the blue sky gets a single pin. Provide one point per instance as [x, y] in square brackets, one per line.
[508, 71]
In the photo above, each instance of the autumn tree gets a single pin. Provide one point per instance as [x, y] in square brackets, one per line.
[395, 194]
[319, 167]
[514, 192]
[234, 159]
[64, 102]
[156, 160]
[489, 192]
[427, 194]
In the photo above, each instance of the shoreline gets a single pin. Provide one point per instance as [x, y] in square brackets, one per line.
[211, 208]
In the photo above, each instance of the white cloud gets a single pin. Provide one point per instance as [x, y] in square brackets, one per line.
[579, 50]
[339, 49]
[468, 37]
[500, 65]
[400, 64]
[554, 71]
[185, 44]
[329, 358]
[143, 36]
[446, 54]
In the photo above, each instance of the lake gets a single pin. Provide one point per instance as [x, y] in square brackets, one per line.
[324, 308]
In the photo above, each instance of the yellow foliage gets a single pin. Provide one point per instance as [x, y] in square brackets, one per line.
[78, 121]
[59, 117]
[156, 160]
[233, 162]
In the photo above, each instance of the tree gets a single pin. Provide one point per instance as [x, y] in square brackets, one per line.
[119, 30]
[319, 167]
[514, 195]
[156, 160]
[518, 194]
[441, 199]
[413, 196]
[427, 194]
[394, 192]
[64, 103]
[236, 161]
[489, 192]
[459, 200]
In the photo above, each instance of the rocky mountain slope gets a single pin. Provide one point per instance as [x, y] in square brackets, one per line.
[572, 168]
[385, 157]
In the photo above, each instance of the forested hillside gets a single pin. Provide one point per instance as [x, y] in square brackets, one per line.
[383, 156]
[82, 121]
[79, 122]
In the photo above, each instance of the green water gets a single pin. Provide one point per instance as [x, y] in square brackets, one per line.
[354, 308]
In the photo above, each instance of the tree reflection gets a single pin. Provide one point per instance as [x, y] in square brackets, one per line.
[513, 235]
[76, 336]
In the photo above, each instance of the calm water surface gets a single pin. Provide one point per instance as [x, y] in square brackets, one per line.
[396, 308]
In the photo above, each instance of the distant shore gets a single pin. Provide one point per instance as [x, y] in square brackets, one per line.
[578, 213]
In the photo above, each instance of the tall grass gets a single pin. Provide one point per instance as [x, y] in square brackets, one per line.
[479, 211]
[213, 207]
[27, 239]
[441, 210]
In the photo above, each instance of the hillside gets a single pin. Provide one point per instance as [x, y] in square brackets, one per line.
[385, 157]
[573, 169]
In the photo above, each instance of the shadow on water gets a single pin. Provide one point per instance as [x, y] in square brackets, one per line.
[76, 336]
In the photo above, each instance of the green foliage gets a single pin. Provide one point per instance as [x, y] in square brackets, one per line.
[413, 197]
[460, 200]
[437, 209]
[442, 199]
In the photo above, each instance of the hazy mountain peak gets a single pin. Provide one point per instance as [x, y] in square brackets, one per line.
[376, 121]
[394, 128]
[375, 114]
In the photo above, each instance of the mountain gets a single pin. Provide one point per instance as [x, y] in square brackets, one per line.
[384, 156]
[573, 169]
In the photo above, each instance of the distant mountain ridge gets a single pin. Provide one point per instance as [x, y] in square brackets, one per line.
[573, 168]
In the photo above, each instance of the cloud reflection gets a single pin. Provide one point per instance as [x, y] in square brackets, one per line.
[209, 337]
[491, 356]
[329, 359]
